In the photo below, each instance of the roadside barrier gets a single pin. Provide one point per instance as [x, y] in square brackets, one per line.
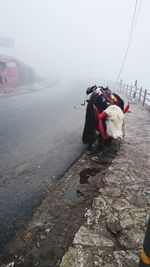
[133, 91]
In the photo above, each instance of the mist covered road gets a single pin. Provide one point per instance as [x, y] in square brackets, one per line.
[40, 137]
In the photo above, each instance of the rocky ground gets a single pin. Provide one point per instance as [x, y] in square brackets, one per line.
[96, 214]
[114, 227]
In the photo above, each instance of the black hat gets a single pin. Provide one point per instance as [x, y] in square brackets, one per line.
[91, 89]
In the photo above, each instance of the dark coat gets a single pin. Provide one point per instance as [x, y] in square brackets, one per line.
[91, 123]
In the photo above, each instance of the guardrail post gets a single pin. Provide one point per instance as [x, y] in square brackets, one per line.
[131, 90]
[140, 94]
[145, 92]
[127, 89]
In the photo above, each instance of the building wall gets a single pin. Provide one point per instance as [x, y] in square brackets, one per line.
[14, 73]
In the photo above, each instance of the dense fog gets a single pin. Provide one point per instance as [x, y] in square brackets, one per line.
[82, 38]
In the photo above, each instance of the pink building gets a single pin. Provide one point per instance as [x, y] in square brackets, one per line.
[13, 72]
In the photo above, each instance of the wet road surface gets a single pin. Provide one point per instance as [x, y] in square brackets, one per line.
[40, 137]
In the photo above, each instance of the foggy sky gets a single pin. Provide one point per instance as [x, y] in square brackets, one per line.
[79, 37]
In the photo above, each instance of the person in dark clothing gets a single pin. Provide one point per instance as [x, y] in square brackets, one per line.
[101, 99]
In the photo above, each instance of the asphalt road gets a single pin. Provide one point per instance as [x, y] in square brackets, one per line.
[40, 138]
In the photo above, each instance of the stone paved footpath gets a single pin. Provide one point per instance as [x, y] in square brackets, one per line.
[114, 227]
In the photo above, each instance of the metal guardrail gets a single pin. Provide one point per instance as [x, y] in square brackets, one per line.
[140, 94]
[143, 96]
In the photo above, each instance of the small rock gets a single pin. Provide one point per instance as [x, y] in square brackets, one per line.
[99, 203]
[126, 220]
[38, 244]
[12, 264]
[38, 224]
[90, 217]
[110, 168]
[146, 192]
[47, 231]
[42, 237]
[132, 238]
[126, 258]
[21, 259]
[28, 236]
[76, 257]
[98, 260]
[86, 237]
[110, 191]
[114, 227]
[121, 205]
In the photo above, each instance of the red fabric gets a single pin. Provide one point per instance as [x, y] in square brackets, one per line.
[102, 115]
[116, 102]
[100, 121]
[126, 109]
[97, 115]
[108, 97]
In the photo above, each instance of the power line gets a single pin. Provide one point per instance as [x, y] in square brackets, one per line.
[132, 30]
[127, 50]
[132, 24]
[136, 19]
